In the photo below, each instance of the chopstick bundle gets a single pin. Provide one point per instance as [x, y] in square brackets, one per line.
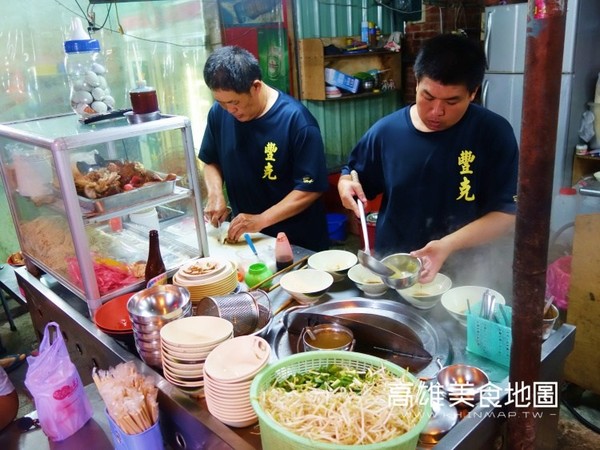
[130, 397]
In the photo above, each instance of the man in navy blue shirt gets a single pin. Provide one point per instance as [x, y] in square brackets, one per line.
[447, 168]
[266, 149]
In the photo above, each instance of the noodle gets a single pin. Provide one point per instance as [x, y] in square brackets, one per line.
[343, 416]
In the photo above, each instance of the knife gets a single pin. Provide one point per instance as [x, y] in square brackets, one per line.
[370, 339]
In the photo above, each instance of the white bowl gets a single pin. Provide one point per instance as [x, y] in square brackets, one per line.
[597, 175]
[455, 301]
[335, 262]
[368, 282]
[306, 286]
[426, 296]
[237, 359]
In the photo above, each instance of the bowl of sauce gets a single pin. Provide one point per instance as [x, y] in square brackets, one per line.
[327, 336]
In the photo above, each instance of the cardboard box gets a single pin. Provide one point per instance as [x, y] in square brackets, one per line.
[341, 80]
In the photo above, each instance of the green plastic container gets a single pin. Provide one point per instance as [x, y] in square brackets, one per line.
[274, 436]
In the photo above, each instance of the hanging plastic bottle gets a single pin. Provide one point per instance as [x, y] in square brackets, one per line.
[86, 71]
[156, 273]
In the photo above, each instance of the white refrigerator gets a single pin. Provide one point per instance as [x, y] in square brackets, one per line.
[504, 40]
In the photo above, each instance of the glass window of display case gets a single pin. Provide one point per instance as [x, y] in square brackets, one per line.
[84, 197]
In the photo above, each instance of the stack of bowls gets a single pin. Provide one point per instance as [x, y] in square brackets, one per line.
[228, 374]
[150, 310]
[113, 319]
[185, 344]
[207, 276]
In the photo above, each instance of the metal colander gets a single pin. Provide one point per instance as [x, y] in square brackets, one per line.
[241, 309]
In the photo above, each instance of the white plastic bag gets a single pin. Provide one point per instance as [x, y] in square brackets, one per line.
[52, 378]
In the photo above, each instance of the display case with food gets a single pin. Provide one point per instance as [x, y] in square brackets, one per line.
[83, 198]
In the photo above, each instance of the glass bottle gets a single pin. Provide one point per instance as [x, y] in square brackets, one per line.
[283, 252]
[156, 273]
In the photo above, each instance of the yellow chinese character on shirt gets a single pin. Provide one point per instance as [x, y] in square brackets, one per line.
[464, 190]
[268, 173]
[464, 161]
[270, 150]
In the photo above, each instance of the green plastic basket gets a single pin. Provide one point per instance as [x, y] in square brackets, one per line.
[275, 436]
[490, 339]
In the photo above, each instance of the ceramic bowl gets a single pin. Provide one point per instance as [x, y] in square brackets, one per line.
[335, 262]
[455, 300]
[306, 286]
[426, 296]
[597, 175]
[368, 282]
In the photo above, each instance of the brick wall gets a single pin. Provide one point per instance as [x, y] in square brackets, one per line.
[460, 15]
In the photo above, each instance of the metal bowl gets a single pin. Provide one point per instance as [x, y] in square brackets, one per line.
[406, 270]
[166, 301]
[461, 381]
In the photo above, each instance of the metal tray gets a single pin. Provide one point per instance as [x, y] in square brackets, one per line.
[149, 191]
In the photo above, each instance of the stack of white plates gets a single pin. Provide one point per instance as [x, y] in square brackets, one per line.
[228, 373]
[185, 345]
[207, 276]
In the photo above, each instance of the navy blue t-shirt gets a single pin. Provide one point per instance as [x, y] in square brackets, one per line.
[264, 159]
[435, 183]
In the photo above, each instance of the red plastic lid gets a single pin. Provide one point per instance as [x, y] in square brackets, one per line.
[567, 191]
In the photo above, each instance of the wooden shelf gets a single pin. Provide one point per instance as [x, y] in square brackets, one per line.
[584, 165]
[312, 62]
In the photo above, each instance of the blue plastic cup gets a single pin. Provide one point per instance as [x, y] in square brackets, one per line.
[151, 439]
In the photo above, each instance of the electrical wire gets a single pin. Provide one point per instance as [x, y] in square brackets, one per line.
[398, 10]
[83, 15]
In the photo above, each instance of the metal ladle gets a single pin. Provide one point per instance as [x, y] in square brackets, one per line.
[365, 257]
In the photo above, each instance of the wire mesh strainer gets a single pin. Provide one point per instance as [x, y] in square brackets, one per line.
[241, 309]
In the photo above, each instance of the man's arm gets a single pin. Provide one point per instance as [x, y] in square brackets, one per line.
[292, 204]
[481, 231]
[215, 209]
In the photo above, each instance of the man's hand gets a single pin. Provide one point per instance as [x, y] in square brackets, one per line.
[348, 190]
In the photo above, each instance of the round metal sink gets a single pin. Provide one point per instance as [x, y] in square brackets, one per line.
[387, 314]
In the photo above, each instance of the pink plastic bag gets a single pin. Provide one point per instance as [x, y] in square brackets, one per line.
[52, 378]
[558, 281]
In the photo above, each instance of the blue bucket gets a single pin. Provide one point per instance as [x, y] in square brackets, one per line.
[336, 226]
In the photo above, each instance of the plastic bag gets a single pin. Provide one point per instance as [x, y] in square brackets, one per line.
[52, 378]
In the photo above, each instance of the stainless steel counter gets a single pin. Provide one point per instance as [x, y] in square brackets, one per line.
[185, 421]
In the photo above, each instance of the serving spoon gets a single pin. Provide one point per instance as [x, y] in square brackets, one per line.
[365, 257]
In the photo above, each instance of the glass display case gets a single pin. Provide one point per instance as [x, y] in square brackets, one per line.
[83, 198]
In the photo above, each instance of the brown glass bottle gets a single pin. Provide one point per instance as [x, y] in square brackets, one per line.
[154, 265]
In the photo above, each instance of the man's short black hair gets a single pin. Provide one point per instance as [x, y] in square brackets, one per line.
[451, 59]
[231, 68]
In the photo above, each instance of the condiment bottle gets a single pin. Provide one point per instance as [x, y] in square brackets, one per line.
[84, 64]
[156, 273]
[283, 252]
[143, 99]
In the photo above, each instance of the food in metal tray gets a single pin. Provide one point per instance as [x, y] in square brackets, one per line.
[115, 178]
